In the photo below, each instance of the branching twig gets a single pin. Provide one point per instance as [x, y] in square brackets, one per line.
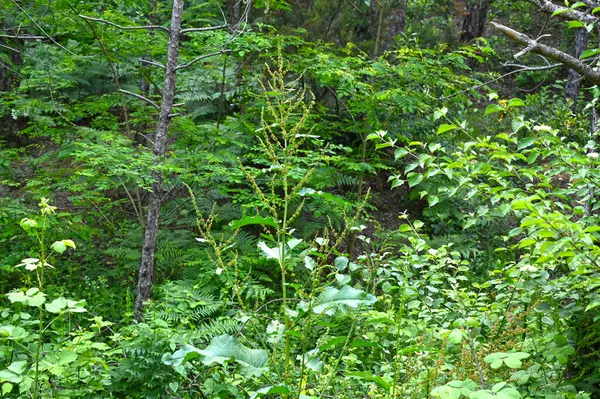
[157, 27]
[24, 37]
[154, 63]
[155, 105]
[205, 29]
[182, 66]
[523, 68]
[46, 35]
[9, 48]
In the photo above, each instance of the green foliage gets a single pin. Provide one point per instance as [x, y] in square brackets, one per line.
[345, 214]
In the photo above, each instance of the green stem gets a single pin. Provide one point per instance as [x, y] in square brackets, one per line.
[283, 273]
[38, 351]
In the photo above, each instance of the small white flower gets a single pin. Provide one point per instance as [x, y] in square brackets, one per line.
[592, 155]
[528, 268]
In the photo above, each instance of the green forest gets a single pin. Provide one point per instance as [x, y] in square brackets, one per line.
[300, 199]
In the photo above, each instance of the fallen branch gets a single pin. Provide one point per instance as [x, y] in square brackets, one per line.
[550, 52]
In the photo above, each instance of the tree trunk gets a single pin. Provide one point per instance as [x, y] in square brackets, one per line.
[572, 87]
[146, 272]
[9, 79]
[397, 19]
[474, 19]
[235, 10]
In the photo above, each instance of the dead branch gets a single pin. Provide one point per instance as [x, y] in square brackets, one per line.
[156, 64]
[157, 27]
[192, 62]
[535, 47]
[24, 37]
[564, 12]
[206, 29]
[155, 105]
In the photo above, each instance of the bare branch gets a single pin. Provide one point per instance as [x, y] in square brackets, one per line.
[156, 64]
[565, 12]
[24, 37]
[522, 68]
[550, 52]
[192, 62]
[525, 68]
[158, 27]
[155, 105]
[9, 48]
[42, 29]
[206, 29]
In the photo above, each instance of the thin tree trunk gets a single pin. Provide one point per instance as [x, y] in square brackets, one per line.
[146, 272]
[572, 87]
[380, 15]
[9, 79]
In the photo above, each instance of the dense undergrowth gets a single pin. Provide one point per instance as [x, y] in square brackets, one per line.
[335, 225]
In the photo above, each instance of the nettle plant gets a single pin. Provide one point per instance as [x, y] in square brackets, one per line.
[546, 268]
[295, 344]
[34, 363]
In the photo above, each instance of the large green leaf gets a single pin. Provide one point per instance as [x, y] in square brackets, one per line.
[249, 220]
[220, 350]
[331, 300]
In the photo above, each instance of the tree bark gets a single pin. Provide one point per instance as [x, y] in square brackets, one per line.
[474, 20]
[9, 79]
[146, 272]
[235, 10]
[572, 87]
[397, 19]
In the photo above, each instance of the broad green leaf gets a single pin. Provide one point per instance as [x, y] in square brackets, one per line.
[415, 179]
[270, 253]
[66, 357]
[516, 102]
[363, 375]
[9, 376]
[400, 153]
[271, 390]
[182, 355]
[59, 246]
[575, 24]
[493, 108]
[438, 113]
[6, 388]
[18, 367]
[340, 263]
[253, 220]
[225, 347]
[445, 128]
[56, 306]
[589, 53]
[333, 299]
[559, 11]
[526, 142]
